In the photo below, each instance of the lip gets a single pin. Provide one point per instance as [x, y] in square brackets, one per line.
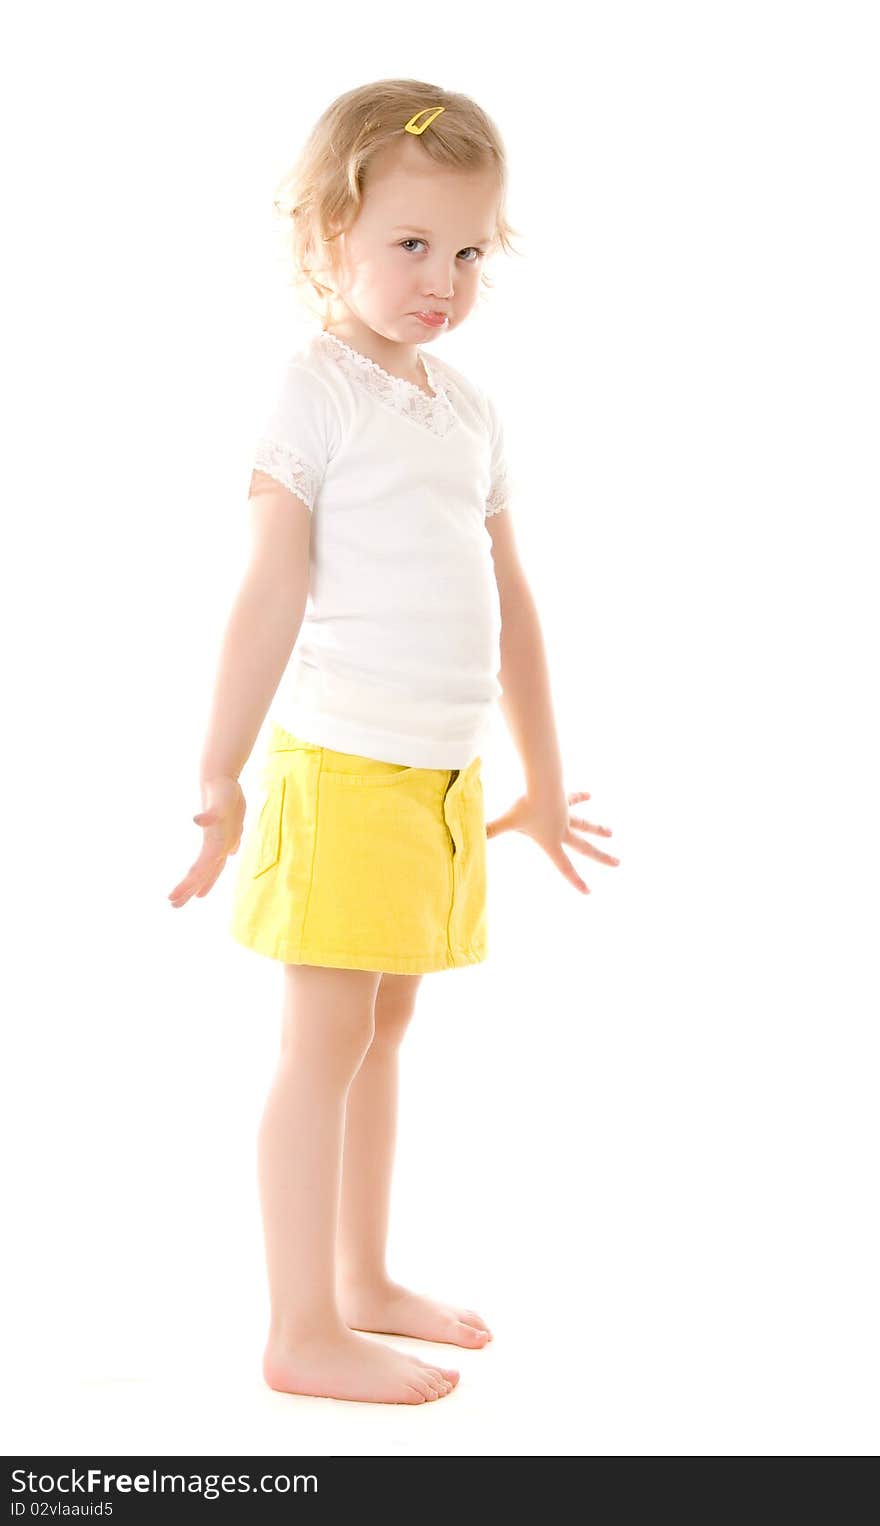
[432, 320]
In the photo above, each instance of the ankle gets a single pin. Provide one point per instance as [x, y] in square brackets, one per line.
[364, 1278]
[291, 1330]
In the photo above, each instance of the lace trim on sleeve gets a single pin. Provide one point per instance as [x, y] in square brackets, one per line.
[499, 494]
[289, 468]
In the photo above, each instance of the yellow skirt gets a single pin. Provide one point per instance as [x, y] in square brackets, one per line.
[360, 864]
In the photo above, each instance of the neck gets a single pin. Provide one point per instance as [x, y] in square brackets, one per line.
[398, 359]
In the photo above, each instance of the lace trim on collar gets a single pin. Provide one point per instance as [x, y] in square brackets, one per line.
[433, 412]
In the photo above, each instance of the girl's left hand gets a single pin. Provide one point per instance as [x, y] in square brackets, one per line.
[547, 819]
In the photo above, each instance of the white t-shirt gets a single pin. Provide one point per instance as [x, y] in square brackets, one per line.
[398, 653]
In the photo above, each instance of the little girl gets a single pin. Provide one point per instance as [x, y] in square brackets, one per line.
[383, 553]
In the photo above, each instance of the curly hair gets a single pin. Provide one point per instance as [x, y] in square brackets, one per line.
[320, 196]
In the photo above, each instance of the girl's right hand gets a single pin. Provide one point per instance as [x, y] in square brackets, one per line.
[222, 821]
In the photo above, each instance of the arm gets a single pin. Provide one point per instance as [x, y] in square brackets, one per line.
[262, 627]
[526, 702]
[260, 635]
[543, 812]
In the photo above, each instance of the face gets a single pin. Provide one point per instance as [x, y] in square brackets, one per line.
[419, 244]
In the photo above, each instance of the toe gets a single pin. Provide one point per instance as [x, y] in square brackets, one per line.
[468, 1317]
[414, 1395]
[469, 1335]
[443, 1374]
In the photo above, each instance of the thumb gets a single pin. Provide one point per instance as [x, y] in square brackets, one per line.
[205, 818]
[503, 823]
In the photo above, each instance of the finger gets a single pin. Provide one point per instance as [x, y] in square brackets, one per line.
[212, 880]
[587, 847]
[212, 854]
[187, 885]
[588, 826]
[187, 888]
[206, 818]
[210, 866]
[582, 794]
[208, 860]
[499, 824]
[566, 867]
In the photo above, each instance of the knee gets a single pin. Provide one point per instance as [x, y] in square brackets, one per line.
[393, 1014]
[353, 1033]
[338, 1039]
[332, 1022]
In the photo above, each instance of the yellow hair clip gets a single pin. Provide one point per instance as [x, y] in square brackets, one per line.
[411, 127]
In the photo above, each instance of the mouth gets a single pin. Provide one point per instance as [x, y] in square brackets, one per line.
[434, 320]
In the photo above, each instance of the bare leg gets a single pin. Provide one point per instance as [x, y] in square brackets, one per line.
[368, 1298]
[327, 1028]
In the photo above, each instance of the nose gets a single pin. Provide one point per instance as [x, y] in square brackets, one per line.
[440, 280]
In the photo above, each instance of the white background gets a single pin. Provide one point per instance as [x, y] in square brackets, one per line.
[641, 1139]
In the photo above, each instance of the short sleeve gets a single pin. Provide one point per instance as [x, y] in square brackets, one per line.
[298, 434]
[500, 487]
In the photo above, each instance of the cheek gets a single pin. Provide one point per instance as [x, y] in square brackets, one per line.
[383, 277]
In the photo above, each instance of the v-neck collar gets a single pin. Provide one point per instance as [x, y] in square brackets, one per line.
[360, 356]
[431, 410]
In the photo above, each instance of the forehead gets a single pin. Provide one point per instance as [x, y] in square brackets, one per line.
[404, 188]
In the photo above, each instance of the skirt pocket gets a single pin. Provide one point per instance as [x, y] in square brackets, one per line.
[268, 832]
[364, 773]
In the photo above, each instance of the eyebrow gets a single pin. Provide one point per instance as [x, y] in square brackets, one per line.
[426, 232]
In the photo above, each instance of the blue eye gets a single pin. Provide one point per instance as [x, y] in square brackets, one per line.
[478, 252]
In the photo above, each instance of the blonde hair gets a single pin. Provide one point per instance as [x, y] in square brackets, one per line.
[320, 196]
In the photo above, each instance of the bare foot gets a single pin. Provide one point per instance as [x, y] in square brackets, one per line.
[391, 1309]
[343, 1365]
